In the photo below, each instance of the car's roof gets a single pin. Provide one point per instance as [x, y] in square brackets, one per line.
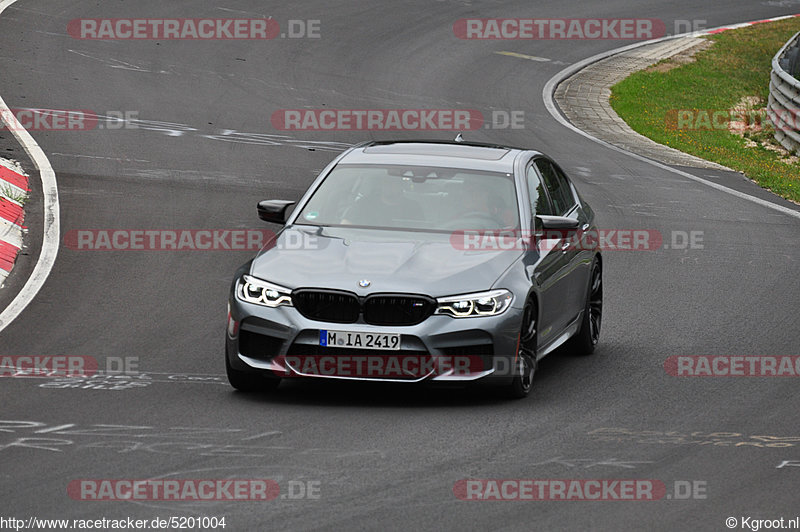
[451, 154]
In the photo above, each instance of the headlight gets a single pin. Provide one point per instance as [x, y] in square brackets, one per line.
[260, 292]
[489, 303]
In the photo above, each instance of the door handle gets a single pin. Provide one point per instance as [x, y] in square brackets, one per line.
[565, 247]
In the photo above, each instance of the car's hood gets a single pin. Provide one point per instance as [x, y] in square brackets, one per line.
[392, 261]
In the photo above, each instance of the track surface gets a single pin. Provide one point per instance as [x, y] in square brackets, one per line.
[385, 457]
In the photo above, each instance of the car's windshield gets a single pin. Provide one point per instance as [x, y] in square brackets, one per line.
[413, 197]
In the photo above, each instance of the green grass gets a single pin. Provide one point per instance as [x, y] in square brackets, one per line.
[736, 66]
[10, 193]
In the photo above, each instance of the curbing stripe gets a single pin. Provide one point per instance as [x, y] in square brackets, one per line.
[51, 227]
[11, 217]
[13, 178]
[10, 233]
[11, 211]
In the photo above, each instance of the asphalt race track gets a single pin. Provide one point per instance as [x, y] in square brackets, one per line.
[370, 456]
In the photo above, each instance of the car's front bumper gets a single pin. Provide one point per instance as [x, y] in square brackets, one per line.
[263, 339]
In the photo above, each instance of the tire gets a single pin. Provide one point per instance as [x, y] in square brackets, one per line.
[525, 365]
[584, 342]
[250, 381]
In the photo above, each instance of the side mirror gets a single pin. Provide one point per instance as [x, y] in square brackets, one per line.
[557, 223]
[274, 211]
[554, 227]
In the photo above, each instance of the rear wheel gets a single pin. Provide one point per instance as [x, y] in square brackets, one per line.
[250, 381]
[588, 336]
[525, 361]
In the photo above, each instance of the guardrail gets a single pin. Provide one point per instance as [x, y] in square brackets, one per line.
[783, 108]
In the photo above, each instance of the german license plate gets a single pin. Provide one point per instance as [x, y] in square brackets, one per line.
[359, 340]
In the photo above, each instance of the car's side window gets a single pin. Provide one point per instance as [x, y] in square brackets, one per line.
[563, 183]
[540, 202]
[558, 189]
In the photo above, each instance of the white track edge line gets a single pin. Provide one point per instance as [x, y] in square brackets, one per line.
[51, 231]
[549, 90]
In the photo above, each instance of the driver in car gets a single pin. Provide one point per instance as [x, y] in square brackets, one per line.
[388, 208]
[481, 207]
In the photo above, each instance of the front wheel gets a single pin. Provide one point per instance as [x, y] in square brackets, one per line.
[525, 361]
[589, 334]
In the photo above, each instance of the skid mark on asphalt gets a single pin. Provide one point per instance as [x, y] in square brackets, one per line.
[52, 34]
[38, 12]
[194, 176]
[220, 442]
[174, 129]
[588, 463]
[583, 171]
[531, 57]
[243, 12]
[116, 159]
[699, 438]
[116, 63]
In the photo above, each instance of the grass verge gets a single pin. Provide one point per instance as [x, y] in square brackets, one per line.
[684, 105]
